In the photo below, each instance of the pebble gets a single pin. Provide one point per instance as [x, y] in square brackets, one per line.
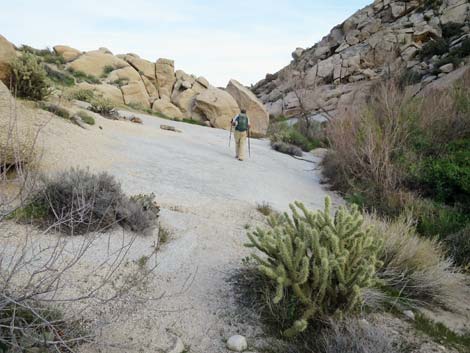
[237, 343]
[409, 314]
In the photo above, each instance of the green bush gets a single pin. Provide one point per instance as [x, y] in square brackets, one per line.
[410, 77]
[193, 122]
[78, 202]
[432, 4]
[437, 219]
[120, 82]
[57, 110]
[323, 262]
[451, 29]
[107, 70]
[83, 77]
[29, 78]
[59, 77]
[459, 247]
[102, 106]
[287, 148]
[434, 47]
[305, 138]
[447, 177]
[86, 118]
[45, 55]
[85, 95]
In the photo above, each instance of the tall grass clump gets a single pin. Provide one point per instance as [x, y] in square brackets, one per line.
[416, 270]
[29, 78]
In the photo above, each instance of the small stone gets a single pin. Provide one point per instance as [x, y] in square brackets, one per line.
[409, 314]
[447, 68]
[178, 346]
[169, 128]
[237, 343]
[136, 120]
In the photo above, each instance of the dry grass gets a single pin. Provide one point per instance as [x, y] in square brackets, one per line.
[417, 268]
[354, 336]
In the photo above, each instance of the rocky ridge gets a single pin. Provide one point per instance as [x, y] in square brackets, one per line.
[127, 79]
[425, 40]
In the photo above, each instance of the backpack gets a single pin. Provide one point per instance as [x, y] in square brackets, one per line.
[242, 124]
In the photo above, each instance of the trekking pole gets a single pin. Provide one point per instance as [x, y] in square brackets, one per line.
[249, 145]
[230, 136]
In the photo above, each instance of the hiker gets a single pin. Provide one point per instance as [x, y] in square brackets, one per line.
[242, 127]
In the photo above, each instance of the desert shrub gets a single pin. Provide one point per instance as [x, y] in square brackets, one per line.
[17, 146]
[83, 77]
[277, 118]
[434, 47]
[78, 202]
[326, 261]
[354, 336]
[437, 219]
[86, 118]
[458, 245]
[35, 327]
[364, 144]
[164, 234]
[287, 148]
[85, 95]
[29, 79]
[57, 110]
[432, 4]
[415, 269]
[120, 82]
[193, 122]
[139, 212]
[102, 106]
[451, 29]
[399, 147]
[305, 136]
[410, 77]
[447, 176]
[107, 70]
[136, 106]
[265, 208]
[46, 55]
[59, 77]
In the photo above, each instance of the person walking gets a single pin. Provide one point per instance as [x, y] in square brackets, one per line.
[242, 125]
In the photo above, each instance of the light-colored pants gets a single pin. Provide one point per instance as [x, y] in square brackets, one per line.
[240, 140]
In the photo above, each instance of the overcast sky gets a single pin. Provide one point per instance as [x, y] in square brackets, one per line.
[242, 39]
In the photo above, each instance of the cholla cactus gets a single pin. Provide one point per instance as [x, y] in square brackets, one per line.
[325, 260]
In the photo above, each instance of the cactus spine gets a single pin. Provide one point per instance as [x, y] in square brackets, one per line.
[326, 261]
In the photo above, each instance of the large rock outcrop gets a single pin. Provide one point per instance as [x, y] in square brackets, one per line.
[259, 117]
[165, 107]
[218, 106]
[105, 90]
[384, 38]
[94, 62]
[165, 75]
[7, 55]
[68, 53]
[127, 79]
[135, 93]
